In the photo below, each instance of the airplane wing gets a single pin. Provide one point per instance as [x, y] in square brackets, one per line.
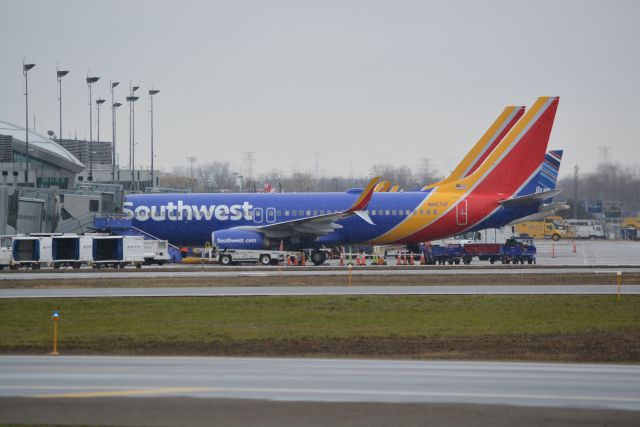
[318, 225]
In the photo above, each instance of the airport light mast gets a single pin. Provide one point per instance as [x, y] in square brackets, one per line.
[25, 71]
[132, 125]
[151, 93]
[114, 105]
[90, 81]
[99, 103]
[59, 75]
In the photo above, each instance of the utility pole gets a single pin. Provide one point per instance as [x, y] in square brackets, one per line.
[575, 191]
[191, 160]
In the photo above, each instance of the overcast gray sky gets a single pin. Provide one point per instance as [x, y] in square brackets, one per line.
[359, 82]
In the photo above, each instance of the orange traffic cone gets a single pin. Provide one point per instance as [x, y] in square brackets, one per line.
[404, 260]
[398, 260]
[411, 259]
[303, 261]
[288, 260]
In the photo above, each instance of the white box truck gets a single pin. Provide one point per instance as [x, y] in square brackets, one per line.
[5, 251]
[586, 228]
[156, 251]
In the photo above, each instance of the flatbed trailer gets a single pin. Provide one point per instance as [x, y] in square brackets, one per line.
[484, 251]
[444, 254]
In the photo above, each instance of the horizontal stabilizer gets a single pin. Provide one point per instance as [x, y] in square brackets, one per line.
[530, 198]
[545, 211]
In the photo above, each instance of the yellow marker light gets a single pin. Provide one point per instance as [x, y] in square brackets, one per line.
[55, 317]
[619, 276]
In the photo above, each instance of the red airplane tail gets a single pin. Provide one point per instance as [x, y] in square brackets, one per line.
[518, 156]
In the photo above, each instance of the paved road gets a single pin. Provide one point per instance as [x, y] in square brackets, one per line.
[329, 380]
[292, 272]
[317, 290]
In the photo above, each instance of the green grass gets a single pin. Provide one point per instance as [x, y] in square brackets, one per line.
[92, 323]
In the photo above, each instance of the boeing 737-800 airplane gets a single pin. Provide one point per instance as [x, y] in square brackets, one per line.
[493, 189]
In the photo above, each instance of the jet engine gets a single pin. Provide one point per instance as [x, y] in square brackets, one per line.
[234, 238]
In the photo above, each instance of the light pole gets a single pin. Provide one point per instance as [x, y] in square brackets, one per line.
[60, 74]
[25, 70]
[151, 93]
[99, 103]
[90, 81]
[113, 148]
[132, 125]
[114, 105]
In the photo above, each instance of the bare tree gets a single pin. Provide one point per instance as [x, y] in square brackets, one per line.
[216, 176]
[400, 175]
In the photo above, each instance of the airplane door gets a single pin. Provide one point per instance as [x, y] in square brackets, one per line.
[271, 214]
[461, 213]
[257, 215]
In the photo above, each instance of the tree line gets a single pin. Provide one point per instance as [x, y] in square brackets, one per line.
[218, 176]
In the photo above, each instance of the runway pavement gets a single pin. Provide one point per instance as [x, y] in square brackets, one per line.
[293, 272]
[317, 290]
[327, 380]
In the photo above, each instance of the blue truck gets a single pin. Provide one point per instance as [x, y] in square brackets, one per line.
[513, 251]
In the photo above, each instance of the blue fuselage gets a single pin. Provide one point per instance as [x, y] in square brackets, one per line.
[189, 219]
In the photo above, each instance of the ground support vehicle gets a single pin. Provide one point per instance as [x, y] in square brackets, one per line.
[263, 257]
[516, 251]
[547, 229]
[117, 251]
[71, 250]
[445, 254]
[586, 228]
[6, 256]
[630, 228]
[484, 251]
[30, 251]
[156, 251]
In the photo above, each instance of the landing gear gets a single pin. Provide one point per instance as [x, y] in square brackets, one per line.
[318, 257]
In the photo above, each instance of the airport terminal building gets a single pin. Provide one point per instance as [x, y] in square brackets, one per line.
[50, 164]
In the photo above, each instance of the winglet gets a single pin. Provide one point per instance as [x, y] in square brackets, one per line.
[365, 197]
[364, 215]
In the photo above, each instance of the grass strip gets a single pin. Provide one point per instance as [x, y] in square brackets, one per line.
[595, 328]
